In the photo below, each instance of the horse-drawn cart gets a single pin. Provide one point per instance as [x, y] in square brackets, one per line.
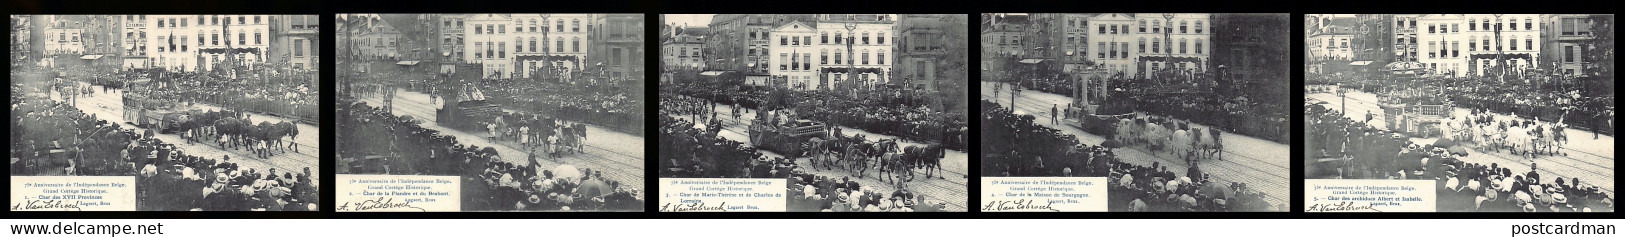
[786, 139]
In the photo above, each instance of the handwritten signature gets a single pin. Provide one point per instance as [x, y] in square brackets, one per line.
[698, 206]
[1020, 204]
[1341, 207]
[46, 204]
[380, 203]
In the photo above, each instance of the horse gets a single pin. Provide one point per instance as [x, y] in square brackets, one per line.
[889, 161]
[856, 158]
[928, 157]
[292, 130]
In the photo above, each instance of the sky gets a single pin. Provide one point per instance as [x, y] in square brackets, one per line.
[693, 20]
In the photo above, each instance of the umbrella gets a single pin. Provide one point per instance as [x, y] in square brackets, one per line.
[1111, 144]
[1458, 150]
[1216, 191]
[567, 171]
[1444, 142]
[593, 188]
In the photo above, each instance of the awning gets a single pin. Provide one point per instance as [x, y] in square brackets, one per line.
[1360, 63]
[407, 63]
[1032, 61]
[712, 73]
[90, 57]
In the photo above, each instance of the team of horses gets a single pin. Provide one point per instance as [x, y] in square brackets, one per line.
[1162, 135]
[235, 130]
[1530, 138]
[858, 155]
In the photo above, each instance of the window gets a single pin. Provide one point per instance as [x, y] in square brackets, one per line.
[1431, 53]
[560, 45]
[1472, 24]
[1102, 29]
[575, 44]
[838, 57]
[1486, 24]
[865, 37]
[160, 48]
[1455, 27]
[823, 37]
[533, 44]
[478, 47]
[806, 61]
[1142, 45]
[783, 59]
[1182, 29]
[1431, 29]
[1142, 26]
[214, 20]
[1529, 43]
[533, 27]
[865, 57]
[784, 40]
[1528, 24]
[214, 38]
[795, 40]
[258, 37]
[1156, 26]
[1102, 53]
[1114, 29]
[519, 45]
[880, 58]
[1444, 28]
[560, 27]
[1472, 43]
[183, 43]
[478, 28]
[823, 57]
[199, 37]
[1113, 49]
[1198, 31]
[242, 39]
[575, 25]
[298, 47]
[1156, 45]
[838, 38]
[1486, 44]
[1569, 54]
[807, 39]
[1125, 49]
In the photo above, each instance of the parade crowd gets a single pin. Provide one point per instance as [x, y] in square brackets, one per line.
[1343, 148]
[277, 97]
[607, 103]
[1543, 98]
[381, 143]
[687, 151]
[55, 139]
[885, 110]
[1047, 152]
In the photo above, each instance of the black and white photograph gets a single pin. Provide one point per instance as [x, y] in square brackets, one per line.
[195, 112]
[1171, 112]
[853, 112]
[1501, 112]
[525, 112]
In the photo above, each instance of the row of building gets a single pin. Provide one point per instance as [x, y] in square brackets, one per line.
[813, 51]
[505, 45]
[1448, 44]
[1131, 44]
[184, 42]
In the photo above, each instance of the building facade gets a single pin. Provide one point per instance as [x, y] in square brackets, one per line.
[1113, 39]
[618, 46]
[1330, 44]
[683, 48]
[296, 42]
[866, 48]
[1404, 38]
[1072, 39]
[134, 42]
[1563, 38]
[490, 37]
[1179, 41]
[63, 36]
[791, 61]
[1475, 44]
[920, 47]
[233, 40]
[557, 40]
[1002, 43]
